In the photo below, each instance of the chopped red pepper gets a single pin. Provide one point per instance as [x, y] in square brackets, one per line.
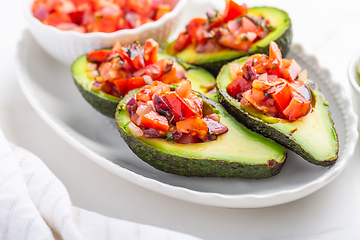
[127, 84]
[234, 10]
[281, 95]
[297, 108]
[98, 56]
[179, 108]
[238, 86]
[183, 40]
[194, 126]
[153, 120]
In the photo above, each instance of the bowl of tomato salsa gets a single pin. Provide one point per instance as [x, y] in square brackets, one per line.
[66, 29]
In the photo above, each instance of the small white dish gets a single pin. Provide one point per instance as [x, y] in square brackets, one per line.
[66, 46]
[354, 79]
[60, 104]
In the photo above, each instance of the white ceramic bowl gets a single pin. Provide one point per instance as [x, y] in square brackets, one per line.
[354, 78]
[66, 46]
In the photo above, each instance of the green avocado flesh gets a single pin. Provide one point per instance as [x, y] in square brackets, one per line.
[239, 153]
[213, 62]
[201, 81]
[313, 137]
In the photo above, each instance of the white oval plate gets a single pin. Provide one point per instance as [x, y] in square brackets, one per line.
[50, 89]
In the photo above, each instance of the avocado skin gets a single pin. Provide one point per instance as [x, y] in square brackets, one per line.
[194, 167]
[104, 106]
[283, 42]
[267, 130]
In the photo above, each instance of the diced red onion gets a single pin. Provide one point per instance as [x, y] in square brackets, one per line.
[243, 101]
[251, 36]
[213, 116]
[177, 134]
[41, 12]
[303, 75]
[135, 118]
[272, 78]
[180, 74]
[188, 138]
[135, 130]
[208, 47]
[143, 109]
[234, 25]
[151, 104]
[131, 106]
[162, 107]
[93, 74]
[97, 85]
[91, 66]
[139, 73]
[152, 133]
[215, 127]
[148, 80]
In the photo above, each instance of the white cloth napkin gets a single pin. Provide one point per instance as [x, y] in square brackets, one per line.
[34, 204]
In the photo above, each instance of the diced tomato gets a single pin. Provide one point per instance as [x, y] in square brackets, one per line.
[98, 56]
[65, 7]
[183, 40]
[78, 3]
[154, 120]
[273, 67]
[145, 94]
[127, 84]
[57, 18]
[282, 95]
[193, 26]
[290, 69]
[256, 98]
[250, 26]
[184, 89]
[235, 70]
[238, 86]
[134, 55]
[300, 88]
[169, 78]
[158, 68]
[194, 126]
[76, 16]
[233, 10]
[121, 3]
[179, 108]
[139, 61]
[151, 48]
[297, 108]
[143, 7]
[162, 10]
[195, 103]
[240, 43]
[105, 23]
[274, 52]
[146, 20]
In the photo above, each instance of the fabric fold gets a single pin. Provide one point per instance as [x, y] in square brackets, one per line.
[33, 203]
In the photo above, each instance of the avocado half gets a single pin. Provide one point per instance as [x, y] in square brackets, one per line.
[282, 35]
[201, 81]
[239, 153]
[313, 136]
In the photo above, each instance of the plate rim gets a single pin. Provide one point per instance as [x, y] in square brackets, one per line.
[183, 193]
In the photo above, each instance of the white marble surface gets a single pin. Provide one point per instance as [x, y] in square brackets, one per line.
[327, 29]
